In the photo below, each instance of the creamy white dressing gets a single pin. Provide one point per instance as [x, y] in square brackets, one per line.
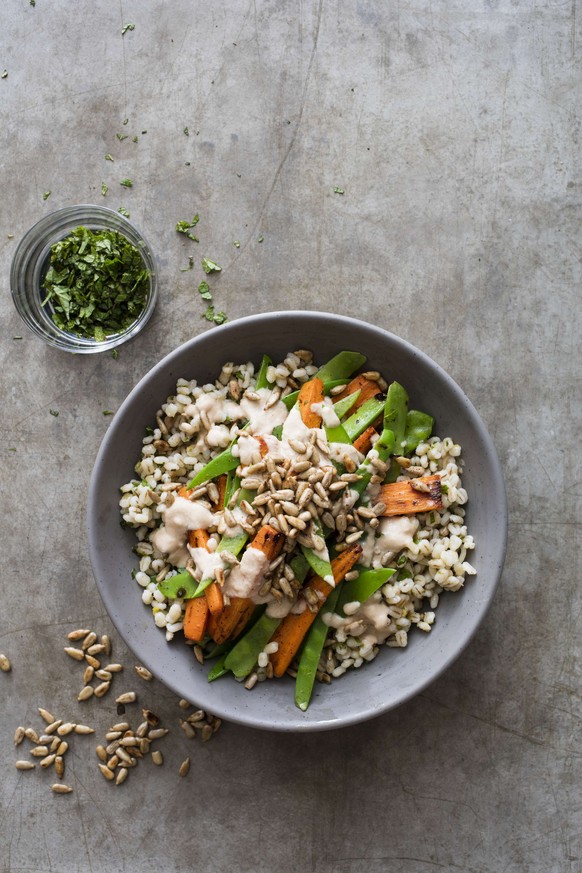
[339, 451]
[392, 535]
[294, 428]
[326, 412]
[205, 562]
[248, 450]
[217, 408]
[183, 515]
[261, 420]
[218, 436]
[376, 623]
[245, 579]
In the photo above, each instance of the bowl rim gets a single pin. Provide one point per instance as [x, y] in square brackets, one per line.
[286, 724]
[32, 244]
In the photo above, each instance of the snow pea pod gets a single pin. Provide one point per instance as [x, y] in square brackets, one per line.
[395, 413]
[180, 585]
[418, 428]
[311, 652]
[343, 406]
[362, 588]
[341, 366]
[320, 566]
[337, 434]
[218, 669]
[223, 463]
[383, 449]
[365, 416]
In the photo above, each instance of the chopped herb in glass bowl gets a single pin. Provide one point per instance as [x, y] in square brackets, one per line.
[84, 279]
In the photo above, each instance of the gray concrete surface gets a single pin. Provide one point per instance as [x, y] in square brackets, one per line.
[453, 128]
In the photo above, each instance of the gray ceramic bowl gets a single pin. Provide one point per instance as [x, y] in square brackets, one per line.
[396, 674]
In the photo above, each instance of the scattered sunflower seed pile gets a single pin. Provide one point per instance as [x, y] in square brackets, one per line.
[123, 746]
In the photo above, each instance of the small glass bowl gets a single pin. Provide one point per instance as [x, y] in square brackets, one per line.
[31, 261]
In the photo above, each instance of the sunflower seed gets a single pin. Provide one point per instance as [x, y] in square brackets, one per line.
[142, 730]
[66, 728]
[102, 689]
[144, 745]
[61, 788]
[93, 662]
[48, 760]
[126, 697]
[88, 641]
[84, 729]
[121, 775]
[403, 462]
[229, 557]
[88, 674]
[19, 735]
[379, 508]
[109, 775]
[113, 735]
[77, 654]
[157, 757]
[24, 765]
[184, 704]
[113, 668]
[96, 649]
[150, 717]
[251, 681]
[198, 654]
[101, 753]
[207, 732]
[31, 734]
[129, 741]
[197, 716]
[188, 729]
[78, 634]
[62, 748]
[273, 399]
[104, 675]
[184, 767]
[120, 726]
[301, 466]
[157, 733]
[39, 751]
[420, 485]
[251, 483]
[86, 692]
[113, 762]
[59, 766]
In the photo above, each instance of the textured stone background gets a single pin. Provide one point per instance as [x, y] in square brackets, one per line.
[454, 129]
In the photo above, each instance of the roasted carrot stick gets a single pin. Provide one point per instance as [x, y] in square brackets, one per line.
[198, 538]
[310, 392]
[214, 598]
[294, 626]
[401, 498]
[233, 617]
[196, 619]
[364, 442]
[221, 485]
[365, 386]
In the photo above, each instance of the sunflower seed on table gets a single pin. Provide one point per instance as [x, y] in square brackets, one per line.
[104, 675]
[66, 728]
[142, 730]
[39, 751]
[157, 758]
[188, 729]
[122, 775]
[207, 732]
[59, 766]
[126, 697]
[157, 733]
[113, 762]
[88, 674]
[113, 668]
[55, 744]
[150, 717]
[79, 634]
[105, 771]
[62, 748]
[48, 760]
[101, 753]
[184, 767]
[144, 745]
[113, 735]
[89, 640]
[24, 765]
[197, 716]
[76, 654]
[31, 734]
[61, 788]
[102, 689]
[128, 741]
[46, 715]
[96, 649]
[92, 661]
[85, 693]
[84, 729]
[19, 735]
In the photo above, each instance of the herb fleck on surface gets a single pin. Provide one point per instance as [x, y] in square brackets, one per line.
[210, 266]
[186, 226]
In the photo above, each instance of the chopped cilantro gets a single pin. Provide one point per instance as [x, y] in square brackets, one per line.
[121, 136]
[114, 354]
[190, 265]
[16, 337]
[108, 412]
[184, 227]
[104, 188]
[32, 2]
[127, 27]
[134, 139]
[209, 266]
[260, 239]
[401, 560]
[127, 183]
[143, 131]
[96, 283]
[54, 412]
[204, 291]
[4, 74]
[12, 449]
[236, 244]
[186, 131]
[337, 190]
[215, 317]
[108, 157]
[125, 120]
[123, 211]
[46, 195]
[444, 488]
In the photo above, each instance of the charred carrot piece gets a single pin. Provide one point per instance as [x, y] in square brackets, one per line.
[214, 598]
[404, 498]
[198, 539]
[310, 392]
[196, 619]
[269, 541]
[364, 442]
[365, 386]
[184, 492]
[221, 485]
[293, 628]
